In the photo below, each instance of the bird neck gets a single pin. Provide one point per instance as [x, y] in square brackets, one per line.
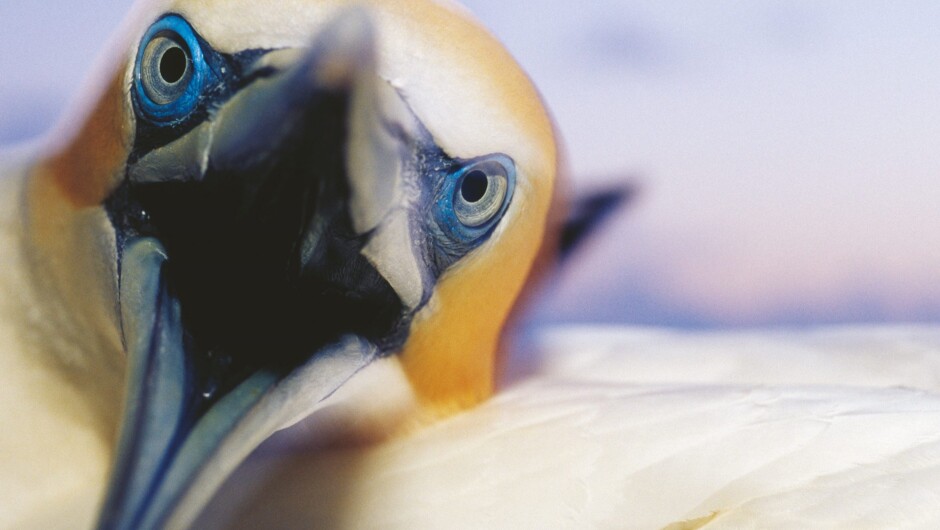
[68, 257]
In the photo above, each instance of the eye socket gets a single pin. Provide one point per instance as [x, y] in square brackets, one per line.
[481, 193]
[171, 70]
[474, 198]
[166, 69]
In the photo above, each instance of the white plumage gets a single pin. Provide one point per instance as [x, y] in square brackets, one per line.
[598, 427]
[638, 428]
[55, 445]
[595, 427]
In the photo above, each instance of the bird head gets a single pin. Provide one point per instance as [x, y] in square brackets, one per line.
[267, 197]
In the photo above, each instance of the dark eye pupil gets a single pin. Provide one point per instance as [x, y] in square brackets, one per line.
[173, 65]
[474, 186]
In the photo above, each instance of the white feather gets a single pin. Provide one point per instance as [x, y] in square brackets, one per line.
[53, 456]
[627, 428]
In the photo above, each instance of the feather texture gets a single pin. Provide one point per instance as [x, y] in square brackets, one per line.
[631, 428]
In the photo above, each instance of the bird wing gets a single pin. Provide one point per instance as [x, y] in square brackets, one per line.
[633, 428]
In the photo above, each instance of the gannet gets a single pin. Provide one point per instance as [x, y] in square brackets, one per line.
[262, 200]
[312, 220]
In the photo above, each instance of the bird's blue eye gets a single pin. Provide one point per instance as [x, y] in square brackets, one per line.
[171, 70]
[476, 197]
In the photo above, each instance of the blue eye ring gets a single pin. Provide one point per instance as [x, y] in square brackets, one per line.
[463, 188]
[192, 80]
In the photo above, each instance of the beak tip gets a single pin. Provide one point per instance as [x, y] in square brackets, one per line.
[345, 49]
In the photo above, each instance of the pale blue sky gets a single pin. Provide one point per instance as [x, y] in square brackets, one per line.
[789, 150]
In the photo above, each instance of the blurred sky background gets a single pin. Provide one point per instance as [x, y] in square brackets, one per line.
[788, 151]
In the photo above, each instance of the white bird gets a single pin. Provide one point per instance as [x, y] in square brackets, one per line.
[305, 218]
[260, 202]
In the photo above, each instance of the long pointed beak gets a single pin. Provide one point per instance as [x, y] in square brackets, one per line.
[170, 459]
[223, 355]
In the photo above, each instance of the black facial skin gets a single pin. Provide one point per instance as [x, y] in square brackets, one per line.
[251, 267]
[252, 296]
[234, 263]
[230, 74]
